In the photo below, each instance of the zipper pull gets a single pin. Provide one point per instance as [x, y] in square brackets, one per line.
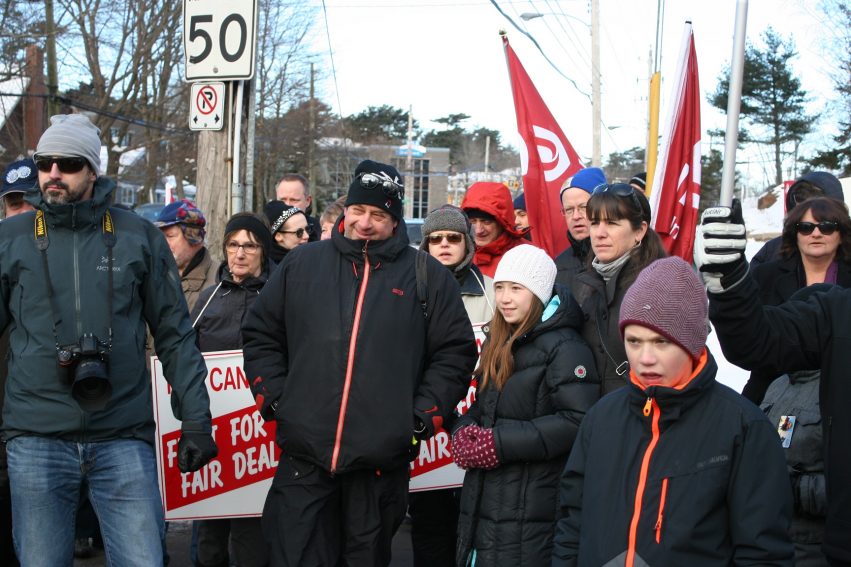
[648, 406]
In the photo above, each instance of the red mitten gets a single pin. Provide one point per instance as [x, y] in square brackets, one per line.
[463, 443]
[483, 454]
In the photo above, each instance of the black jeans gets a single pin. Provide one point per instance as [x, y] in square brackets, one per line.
[434, 526]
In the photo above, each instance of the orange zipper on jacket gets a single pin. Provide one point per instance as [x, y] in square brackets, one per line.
[661, 510]
[350, 364]
[651, 409]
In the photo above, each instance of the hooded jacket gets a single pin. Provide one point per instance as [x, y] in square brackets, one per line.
[146, 288]
[660, 476]
[507, 513]
[338, 349]
[832, 188]
[495, 200]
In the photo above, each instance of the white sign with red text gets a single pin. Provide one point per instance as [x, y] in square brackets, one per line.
[434, 468]
[235, 483]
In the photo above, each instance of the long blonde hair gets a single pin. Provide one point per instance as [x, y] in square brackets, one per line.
[497, 361]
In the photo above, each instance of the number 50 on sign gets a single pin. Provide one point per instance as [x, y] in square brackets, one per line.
[219, 39]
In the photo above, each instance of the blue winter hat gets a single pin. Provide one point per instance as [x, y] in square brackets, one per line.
[586, 179]
[20, 177]
[520, 202]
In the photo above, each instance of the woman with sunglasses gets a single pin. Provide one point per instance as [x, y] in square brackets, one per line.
[217, 318]
[289, 228]
[622, 244]
[815, 249]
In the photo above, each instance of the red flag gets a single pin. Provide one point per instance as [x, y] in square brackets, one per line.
[675, 193]
[551, 160]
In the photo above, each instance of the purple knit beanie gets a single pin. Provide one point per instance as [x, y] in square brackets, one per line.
[667, 297]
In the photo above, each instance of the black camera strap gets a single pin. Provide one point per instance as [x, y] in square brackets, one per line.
[43, 242]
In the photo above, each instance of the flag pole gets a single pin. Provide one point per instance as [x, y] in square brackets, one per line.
[734, 100]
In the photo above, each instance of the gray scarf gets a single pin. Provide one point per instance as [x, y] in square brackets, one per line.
[611, 269]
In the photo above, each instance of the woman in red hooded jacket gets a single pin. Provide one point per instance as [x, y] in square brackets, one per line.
[491, 211]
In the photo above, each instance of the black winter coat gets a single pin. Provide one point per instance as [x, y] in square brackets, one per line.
[220, 323]
[801, 335]
[601, 304]
[508, 513]
[702, 467]
[778, 281]
[338, 350]
[572, 261]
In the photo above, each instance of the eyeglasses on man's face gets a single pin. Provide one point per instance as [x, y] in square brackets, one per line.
[451, 238]
[65, 164]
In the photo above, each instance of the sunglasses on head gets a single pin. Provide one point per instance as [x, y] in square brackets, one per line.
[621, 190]
[382, 181]
[299, 232]
[454, 238]
[65, 164]
[824, 227]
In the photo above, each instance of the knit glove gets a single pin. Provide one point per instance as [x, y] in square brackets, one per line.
[473, 448]
[462, 445]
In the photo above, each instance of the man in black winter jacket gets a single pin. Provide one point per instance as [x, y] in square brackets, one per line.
[79, 280]
[355, 370]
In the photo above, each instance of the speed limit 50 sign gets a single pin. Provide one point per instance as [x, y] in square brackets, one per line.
[219, 39]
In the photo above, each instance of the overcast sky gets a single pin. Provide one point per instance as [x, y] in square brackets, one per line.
[445, 56]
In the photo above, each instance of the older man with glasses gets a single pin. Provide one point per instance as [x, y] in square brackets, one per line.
[356, 370]
[574, 199]
[80, 281]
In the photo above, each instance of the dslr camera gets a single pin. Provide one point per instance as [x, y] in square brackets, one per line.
[86, 366]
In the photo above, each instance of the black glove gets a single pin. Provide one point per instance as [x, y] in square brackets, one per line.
[719, 247]
[426, 422]
[196, 447]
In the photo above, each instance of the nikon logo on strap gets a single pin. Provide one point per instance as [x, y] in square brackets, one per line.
[40, 226]
[108, 227]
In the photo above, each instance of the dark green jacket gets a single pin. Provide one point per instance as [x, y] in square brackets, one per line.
[146, 289]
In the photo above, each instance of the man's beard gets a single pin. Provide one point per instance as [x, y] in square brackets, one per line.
[53, 196]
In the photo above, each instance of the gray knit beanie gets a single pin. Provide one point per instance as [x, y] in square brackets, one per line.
[452, 218]
[529, 266]
[668, 298]
[71, 135]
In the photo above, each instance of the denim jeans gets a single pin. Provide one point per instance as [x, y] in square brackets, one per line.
[46, 477]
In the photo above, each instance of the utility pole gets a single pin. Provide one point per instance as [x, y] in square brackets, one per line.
[409, 167]
[596, 114]
[311, 141]
[52, 78]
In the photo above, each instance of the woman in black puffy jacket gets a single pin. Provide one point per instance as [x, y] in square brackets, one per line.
[217, 318]
[537, 380]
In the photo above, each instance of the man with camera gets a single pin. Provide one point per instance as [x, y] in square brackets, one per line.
[78, 282]
[341, 352]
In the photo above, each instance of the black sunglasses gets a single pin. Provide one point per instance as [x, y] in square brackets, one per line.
[382, 181]
[825, 227]
[65, 164]
[621, 190]
[454, 238]
[299, 232]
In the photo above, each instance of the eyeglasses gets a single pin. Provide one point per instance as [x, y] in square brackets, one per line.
[568, 211]
[622, 190]
[65, 164]
[299, 232]
[825, 227]
[383, 181]
[249, 247]
[453, 238]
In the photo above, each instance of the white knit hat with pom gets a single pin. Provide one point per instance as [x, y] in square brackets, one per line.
[529, 266]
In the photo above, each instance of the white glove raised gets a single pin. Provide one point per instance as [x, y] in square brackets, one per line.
[719, 248]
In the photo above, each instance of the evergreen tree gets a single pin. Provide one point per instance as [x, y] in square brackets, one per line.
[772, 102]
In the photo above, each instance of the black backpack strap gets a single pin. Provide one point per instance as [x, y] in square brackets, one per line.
[422, 280]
